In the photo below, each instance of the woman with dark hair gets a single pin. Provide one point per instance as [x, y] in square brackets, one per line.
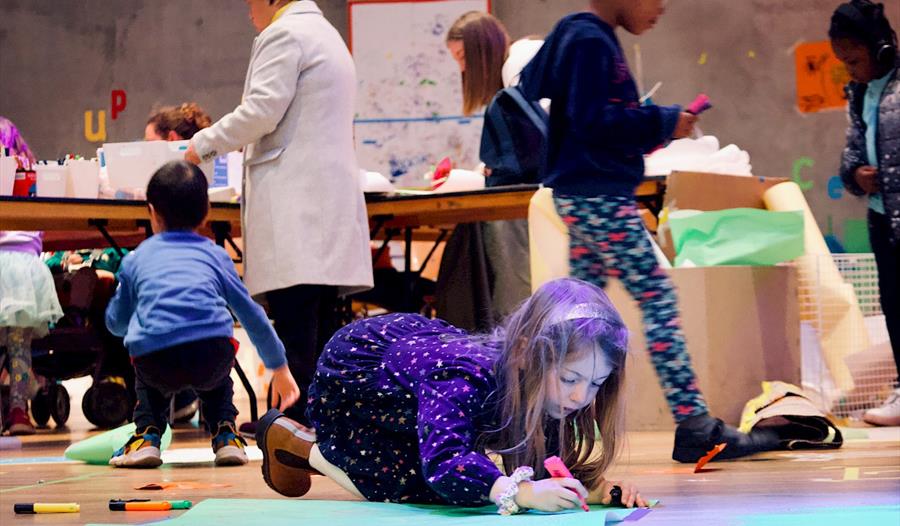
[862, 38]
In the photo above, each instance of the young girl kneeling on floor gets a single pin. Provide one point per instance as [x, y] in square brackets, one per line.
[405, 408]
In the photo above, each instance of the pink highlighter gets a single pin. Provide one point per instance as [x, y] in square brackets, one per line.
[700, 104]
[557, 469]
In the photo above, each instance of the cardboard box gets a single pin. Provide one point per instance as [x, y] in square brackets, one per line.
[741, 325]
[708, 192]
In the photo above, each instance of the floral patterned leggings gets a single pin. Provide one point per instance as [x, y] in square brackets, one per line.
[18, 349]
[608, 239]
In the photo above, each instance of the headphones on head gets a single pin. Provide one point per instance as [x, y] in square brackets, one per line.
[867, 15]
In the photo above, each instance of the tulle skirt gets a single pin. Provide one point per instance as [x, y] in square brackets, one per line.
[27, 293]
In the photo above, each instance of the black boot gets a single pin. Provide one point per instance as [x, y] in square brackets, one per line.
[697, 435]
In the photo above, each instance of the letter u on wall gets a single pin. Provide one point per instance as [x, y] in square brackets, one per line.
[89, 133]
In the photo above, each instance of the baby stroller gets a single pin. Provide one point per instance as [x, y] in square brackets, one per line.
[80, 345]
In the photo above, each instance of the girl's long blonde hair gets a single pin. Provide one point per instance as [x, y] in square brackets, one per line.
[486, 46]
[564, 318]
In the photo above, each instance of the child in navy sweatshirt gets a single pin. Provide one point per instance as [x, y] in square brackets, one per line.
[172, 309]
[599, 133]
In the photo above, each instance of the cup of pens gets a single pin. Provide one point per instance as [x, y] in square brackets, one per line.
[84, 179]
[51, 179]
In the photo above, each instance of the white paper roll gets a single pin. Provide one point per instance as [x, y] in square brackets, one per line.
[827, 301]
[461, 181]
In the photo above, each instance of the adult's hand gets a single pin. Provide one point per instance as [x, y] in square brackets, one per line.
[191, 155]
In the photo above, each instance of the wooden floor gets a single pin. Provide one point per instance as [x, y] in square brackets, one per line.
[793, 488]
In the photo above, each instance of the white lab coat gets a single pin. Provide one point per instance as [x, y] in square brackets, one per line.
[303, 214]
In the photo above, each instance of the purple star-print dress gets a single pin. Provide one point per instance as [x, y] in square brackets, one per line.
[399, 403]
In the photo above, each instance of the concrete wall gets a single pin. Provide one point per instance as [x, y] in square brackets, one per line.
[59, 58]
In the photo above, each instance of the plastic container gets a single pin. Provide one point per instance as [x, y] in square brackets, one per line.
[51, 180]
[84, 179]
[7, 175]
[130, 165]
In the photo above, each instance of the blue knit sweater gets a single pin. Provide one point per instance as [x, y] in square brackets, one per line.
[176, 288]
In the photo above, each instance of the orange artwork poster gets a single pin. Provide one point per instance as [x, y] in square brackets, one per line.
[821, 78]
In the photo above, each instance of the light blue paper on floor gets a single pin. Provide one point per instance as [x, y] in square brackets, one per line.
[888, 515]
[278, 512]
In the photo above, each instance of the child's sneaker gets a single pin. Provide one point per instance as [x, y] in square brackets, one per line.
[18, 423]
[888, 414]
[141, 450]
[228, 446]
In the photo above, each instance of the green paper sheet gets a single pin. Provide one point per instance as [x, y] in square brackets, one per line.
[284, 512]
[856, 236]
[737, 236]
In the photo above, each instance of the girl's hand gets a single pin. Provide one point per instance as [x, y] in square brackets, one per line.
[867, 179]
[284, 389]
[685, 126]
[630, 495]
[551, 495]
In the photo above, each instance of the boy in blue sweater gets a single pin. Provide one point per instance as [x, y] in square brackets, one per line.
[598, 135]
[172, 309]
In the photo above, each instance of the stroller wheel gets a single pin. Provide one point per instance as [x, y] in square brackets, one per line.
[87, 405]
[59, 408]
[106, 404]
[40, 408]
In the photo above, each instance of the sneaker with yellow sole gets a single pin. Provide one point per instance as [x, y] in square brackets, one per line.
[141, 451]
[229, 446]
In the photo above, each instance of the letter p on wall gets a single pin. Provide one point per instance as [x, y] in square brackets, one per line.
[118, 100]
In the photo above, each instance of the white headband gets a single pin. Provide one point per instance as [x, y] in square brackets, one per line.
[585, 311]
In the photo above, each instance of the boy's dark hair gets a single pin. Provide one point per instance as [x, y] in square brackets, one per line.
[864, 21]
[178, 193]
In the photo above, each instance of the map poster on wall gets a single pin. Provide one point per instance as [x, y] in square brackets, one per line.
[409, 99]
[821, 78]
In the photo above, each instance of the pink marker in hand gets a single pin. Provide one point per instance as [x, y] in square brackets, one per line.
[556, 468]
[700, 104]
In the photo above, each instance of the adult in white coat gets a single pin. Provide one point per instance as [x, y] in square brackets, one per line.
[305, 228]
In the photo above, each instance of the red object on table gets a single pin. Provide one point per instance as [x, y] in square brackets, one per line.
[25, 180]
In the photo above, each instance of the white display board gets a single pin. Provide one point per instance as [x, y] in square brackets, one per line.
[409, 96]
